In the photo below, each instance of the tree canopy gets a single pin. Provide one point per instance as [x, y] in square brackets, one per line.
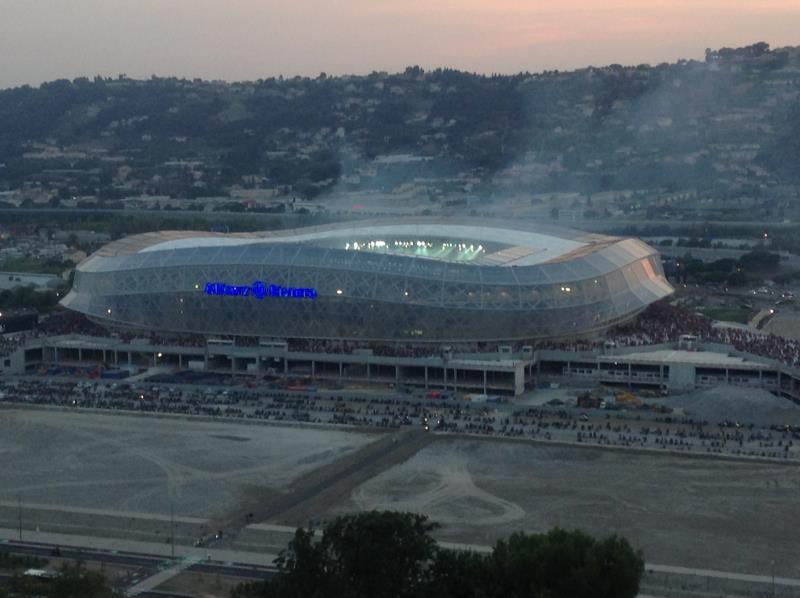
[393, 554]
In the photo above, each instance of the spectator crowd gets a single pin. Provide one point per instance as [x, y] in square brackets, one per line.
[660, 323]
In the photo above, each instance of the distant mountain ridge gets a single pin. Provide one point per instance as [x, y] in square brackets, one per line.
[729, 126]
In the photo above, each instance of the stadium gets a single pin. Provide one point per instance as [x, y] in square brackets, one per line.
[407, 281]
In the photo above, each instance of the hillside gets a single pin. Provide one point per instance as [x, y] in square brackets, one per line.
[719, 134]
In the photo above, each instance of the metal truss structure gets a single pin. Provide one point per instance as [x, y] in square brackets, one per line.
[520, 290]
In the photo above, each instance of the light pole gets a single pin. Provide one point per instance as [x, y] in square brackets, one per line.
[172, 529]
[19, 514]
[772, 567]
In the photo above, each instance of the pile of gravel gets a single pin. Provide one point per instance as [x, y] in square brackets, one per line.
[734, 403]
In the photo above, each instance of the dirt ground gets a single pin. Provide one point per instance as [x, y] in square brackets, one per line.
[693, 512]
[146, 464]
[785, 323]
[688, 511]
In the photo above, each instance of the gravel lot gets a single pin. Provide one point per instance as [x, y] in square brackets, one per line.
[131, 463]
[734, 403]
[689, 511]
[694, 512]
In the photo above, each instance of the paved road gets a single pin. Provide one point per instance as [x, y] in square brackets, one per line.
[156, 563]
[745, 577]
[130, 552]
[155, 567]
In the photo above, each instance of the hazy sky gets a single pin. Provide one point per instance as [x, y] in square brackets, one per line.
[248, 39]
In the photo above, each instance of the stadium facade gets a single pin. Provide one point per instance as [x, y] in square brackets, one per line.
[411, 281]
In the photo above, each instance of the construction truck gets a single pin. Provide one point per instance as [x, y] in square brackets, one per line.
[627, 400]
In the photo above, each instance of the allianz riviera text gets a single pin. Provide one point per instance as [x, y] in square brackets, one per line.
[259, 290]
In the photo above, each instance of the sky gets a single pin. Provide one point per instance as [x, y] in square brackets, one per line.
[42, 40]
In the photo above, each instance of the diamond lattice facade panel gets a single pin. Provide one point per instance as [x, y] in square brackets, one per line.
[424, 280]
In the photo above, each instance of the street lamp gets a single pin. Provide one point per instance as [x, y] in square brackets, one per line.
[772, 567]
[19, 513]
[172, 528]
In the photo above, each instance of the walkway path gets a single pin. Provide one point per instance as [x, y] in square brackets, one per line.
[161, 577]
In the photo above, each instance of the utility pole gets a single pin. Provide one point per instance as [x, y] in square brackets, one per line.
[19, 514]
[772, 566]
[172, 529]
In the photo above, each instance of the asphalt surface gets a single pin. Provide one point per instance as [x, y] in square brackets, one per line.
[147, 562]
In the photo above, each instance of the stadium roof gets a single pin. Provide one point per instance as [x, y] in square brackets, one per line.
[696, 358]
[484, 242]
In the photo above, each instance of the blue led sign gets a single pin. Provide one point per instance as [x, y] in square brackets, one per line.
[259, 290]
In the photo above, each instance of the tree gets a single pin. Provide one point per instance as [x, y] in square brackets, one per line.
[566, 563]
[364, 555]
[75, 582]
[759, 261]
[457, 574]
[393, 554]
[380, 553]
[738, 279]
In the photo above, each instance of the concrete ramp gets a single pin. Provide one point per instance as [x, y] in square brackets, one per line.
[163, 576]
